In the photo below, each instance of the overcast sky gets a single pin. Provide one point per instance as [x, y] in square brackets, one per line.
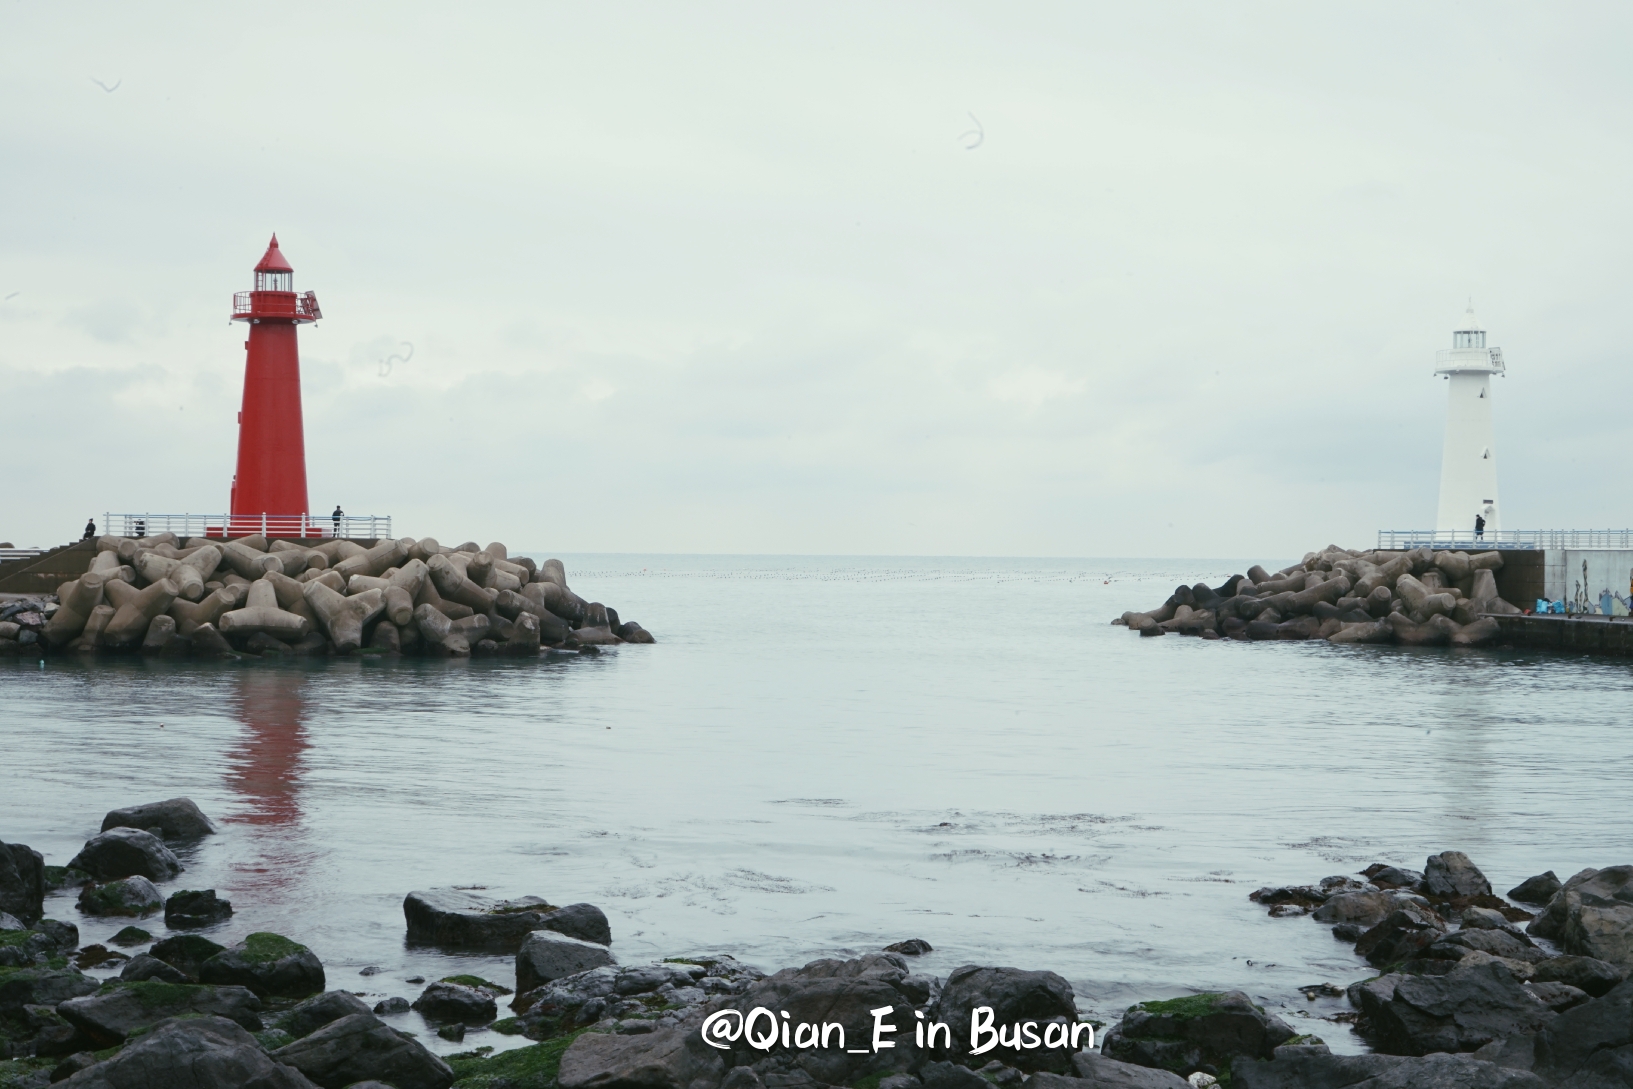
[1003, 279]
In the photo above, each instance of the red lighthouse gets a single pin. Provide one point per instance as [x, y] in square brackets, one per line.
[269, 488]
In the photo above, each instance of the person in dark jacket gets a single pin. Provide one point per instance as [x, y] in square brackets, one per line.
[1479, 526]
[90, 529]
[337, 516]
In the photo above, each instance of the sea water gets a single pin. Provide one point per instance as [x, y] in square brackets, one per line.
[821, 756]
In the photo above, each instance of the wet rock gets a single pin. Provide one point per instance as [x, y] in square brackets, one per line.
[394, 1004]
[1590, 1042]
[666, 1058]
[1598, 919]
[1348, 932]
[1317, 1068]
[131, 935]
[146, 966]
[455, 1002]
[73, 1064]
[117, 1010]
[1395, 877]
[195, 909]
[1550, 921]
[126, 852]
[454, 918]
[187, 952]
[1365, 909]
[1558, 997]
[42, 987]
[1203, 1032]
[1536, 890]
[585, 922]
[912, 947]
[1093, 1070]
[1309, 896]
[1404, 933]
[1450, 875]
[268, 964]
[22, 882]
[546, 956]
[1460, 1011]
[131, 896]
[309, 1016]
[193, 1053]
[454, 1033]
[1015, 995]
[1596, 977]
[1498, 943]
[360, 1047]
[97, 954]
[945, 1075]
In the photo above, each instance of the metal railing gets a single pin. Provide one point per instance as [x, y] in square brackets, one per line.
[7, 554]
[1464, 539]
[306, 526]
[277, 304]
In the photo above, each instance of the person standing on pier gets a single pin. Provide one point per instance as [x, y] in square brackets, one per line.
[1479, 527]
[337, 516]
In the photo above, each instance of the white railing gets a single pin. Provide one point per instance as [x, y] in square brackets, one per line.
[1402, 539]
[305, 526]
[20, 553]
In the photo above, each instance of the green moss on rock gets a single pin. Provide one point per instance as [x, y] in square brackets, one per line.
[264, 947]
[14, 937]
[507, 1026]
[1183, 1008]
[23, 1072]
[131, 935]
[533, 1067]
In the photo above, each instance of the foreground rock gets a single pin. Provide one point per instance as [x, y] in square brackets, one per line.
[1014, 995]
[635, 996]
[175, 819]
[118, 1010]
[547, 956]
[196, 1053]
[269, 965]
[126, 852]
[456, 919]
[1592, 916]
[359, 1047]
[1200, 1033]
[668, 1058]
[1461, 1011]
[1317, 1068]
[321, 1010]
[456, 1003]
[186, 952]
[22, 882]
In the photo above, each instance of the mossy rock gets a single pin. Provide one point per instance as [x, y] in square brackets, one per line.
[62, 877]
[870, 1082]
[131, 935]
[14, 937]
[264, 947]
[507, 1026]
[1183, 1008]
[24, 1072]
[273, 1039]
[533, 1067]
[477, 982]
[1306, 1040]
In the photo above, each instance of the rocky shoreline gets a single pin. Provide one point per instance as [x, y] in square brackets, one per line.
[1418, 598]
[1466, 989]
[249, 596]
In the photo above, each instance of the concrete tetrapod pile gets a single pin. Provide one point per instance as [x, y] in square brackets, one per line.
[1417, 598]
[212, 598]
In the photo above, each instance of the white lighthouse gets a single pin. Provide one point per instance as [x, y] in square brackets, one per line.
[1468, 461]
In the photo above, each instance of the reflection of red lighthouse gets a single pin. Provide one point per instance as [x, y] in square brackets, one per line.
[271, 477]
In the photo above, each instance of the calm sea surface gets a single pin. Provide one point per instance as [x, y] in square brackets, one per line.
[822, 756]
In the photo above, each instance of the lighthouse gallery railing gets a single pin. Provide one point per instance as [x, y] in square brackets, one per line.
[303, 526]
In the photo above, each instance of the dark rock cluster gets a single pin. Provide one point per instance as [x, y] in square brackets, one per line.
[1417, 598]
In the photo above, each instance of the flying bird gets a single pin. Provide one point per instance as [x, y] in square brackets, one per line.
[12, 296]
[105, 87]
[978, 132]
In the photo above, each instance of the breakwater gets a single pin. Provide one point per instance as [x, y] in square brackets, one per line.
[1417, 598]
[218, 598]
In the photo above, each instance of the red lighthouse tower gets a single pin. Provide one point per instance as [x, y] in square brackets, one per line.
[269, 488]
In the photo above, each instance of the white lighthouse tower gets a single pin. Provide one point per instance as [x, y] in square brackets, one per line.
[1468, 461]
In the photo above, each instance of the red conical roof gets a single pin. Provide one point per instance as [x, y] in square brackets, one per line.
[273, 259]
